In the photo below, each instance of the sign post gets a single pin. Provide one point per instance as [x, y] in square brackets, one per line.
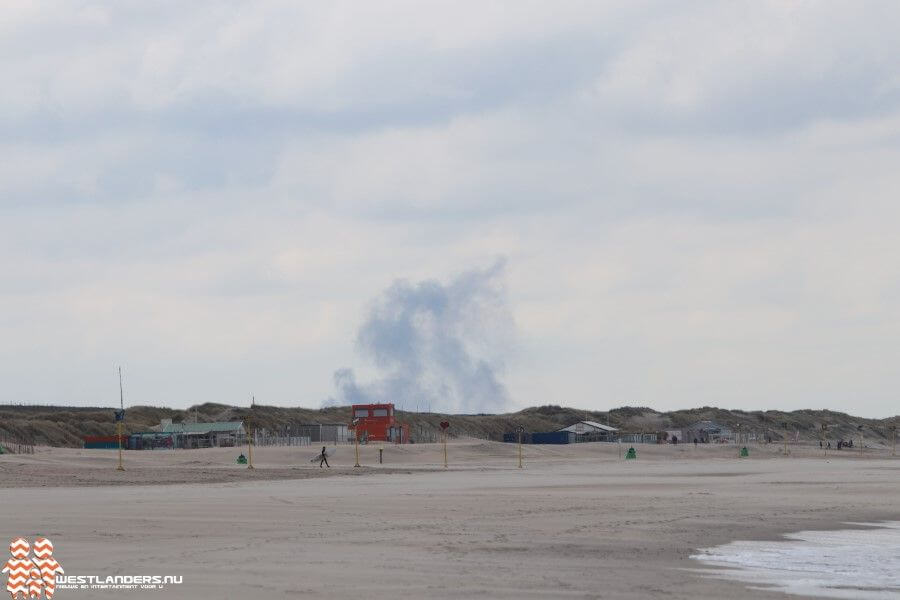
[120, 420]
[444, 426]
[784, 426]
[824, 440]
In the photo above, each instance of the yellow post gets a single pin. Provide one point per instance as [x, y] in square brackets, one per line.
[249, 448]
[250, 433]
[119, 432]
[520, 448]
[894, 445]
[356, 440]
[119, 419]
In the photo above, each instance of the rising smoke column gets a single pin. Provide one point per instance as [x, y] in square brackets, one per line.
[436, 345]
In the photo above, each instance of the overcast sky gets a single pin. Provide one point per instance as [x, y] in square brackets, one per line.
[674, 204]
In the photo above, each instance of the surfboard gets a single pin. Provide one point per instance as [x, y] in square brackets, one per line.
[328, 452]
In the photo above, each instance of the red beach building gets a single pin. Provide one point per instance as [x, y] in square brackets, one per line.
[375, 423]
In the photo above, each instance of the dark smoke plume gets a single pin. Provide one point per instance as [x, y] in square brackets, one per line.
[437, 346]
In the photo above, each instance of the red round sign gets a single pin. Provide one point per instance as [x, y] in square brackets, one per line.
[445, 424]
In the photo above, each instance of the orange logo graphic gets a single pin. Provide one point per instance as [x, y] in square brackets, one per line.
[31, 577]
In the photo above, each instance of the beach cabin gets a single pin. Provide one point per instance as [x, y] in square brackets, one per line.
[591, 431]
[708, 432]
[376, 423]
[204, 435]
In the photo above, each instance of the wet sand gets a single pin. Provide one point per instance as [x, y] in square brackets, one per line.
[577, 522]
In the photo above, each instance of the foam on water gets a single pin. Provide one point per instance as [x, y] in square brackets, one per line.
[848, 563]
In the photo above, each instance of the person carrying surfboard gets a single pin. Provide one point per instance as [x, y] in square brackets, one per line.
[323, 457]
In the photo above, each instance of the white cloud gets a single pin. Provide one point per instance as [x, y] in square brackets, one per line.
[696, 202]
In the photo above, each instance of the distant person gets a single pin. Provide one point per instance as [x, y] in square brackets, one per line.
[674, 439]
[820, 443]
[695, 442]
[323, 458]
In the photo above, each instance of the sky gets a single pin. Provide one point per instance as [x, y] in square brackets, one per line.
[460, 206]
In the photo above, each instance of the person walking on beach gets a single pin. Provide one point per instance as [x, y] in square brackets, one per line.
[323, 458]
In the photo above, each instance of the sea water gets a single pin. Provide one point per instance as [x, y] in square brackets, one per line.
[847, 563]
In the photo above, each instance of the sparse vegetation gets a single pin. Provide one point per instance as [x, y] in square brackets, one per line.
[64, 426]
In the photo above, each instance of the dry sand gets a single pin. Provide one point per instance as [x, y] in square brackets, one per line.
[577, 522]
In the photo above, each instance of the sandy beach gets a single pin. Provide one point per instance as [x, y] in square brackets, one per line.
[576, 522]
